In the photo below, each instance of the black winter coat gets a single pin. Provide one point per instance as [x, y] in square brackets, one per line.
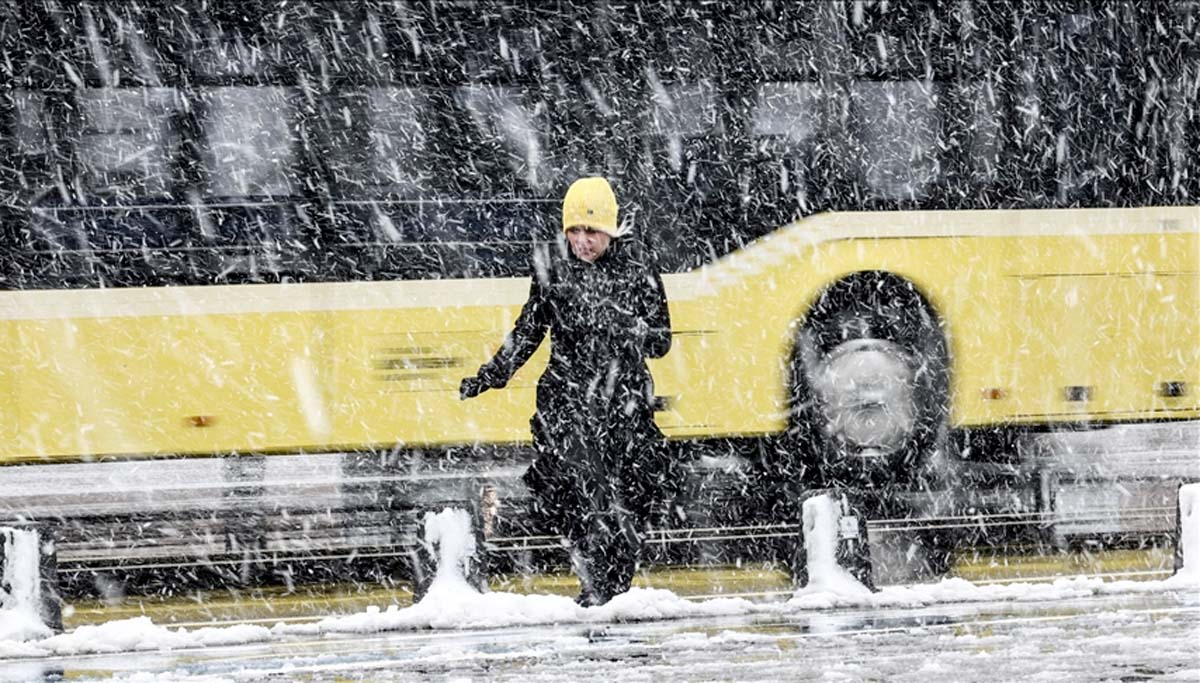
[597, 444]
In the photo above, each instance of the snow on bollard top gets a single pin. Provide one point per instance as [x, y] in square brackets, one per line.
[825, 576]
[449, 532]
[20, 591]
[1189, 534]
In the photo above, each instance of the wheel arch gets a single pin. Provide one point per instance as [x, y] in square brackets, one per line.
[913, 320]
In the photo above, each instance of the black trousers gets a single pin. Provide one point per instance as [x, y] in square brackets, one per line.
[606, 556]
[606, 539]
[596, 486]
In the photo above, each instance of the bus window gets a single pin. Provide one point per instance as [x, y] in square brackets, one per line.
[224, 40]
[785, 116]
[397, 140]
[685, 128]
[456, 175]
[580, 132]
[34, 175]
[91, 161]
[252, 174]
[896, 127]
[683, 112]
[29, 131]
[250, 144]
[688, 169]
[126, 142]
[784, 127]
[981, 128]
[115, 46]
[500, 115]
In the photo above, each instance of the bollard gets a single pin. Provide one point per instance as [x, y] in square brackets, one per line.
[29, 581]
[833, 542]
[1187, 531]
[446, 555]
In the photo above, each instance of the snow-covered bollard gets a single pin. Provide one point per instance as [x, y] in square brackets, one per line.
[29, 583]
[836, 556]
[1187, 533]
[448, 555]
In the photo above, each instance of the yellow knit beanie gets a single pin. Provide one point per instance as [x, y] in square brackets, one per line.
[590, 203]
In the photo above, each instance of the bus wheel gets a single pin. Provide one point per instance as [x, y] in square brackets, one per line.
[870, 386]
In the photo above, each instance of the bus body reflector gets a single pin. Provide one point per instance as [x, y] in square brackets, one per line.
[1172, 389]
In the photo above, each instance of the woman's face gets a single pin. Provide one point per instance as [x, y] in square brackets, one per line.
[588, 244]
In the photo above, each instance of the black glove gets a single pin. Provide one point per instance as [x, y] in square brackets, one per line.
[470, 388]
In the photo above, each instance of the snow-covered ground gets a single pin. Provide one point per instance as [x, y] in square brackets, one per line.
[1106, 637]
[833, 629]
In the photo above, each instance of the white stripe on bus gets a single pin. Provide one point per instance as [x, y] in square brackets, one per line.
[705, 281]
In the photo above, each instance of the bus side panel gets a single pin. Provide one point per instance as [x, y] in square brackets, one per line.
[1114, 344]
[689, 389]
[372, 364]
[1169, 346]
[398, 371]
[170, 384]
[9, 390]
[977, 305]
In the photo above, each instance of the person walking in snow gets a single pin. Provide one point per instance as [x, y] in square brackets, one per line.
[600, 463]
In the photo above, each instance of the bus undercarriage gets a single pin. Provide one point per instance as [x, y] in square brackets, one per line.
[153, 526]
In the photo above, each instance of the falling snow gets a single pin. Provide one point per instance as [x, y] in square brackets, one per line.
[931, 273]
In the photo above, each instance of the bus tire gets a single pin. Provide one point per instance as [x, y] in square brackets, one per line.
[870, 387]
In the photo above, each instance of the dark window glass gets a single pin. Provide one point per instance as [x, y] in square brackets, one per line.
[397, 140]
[126, 142]
[784, 127]
[116, 47]
[896, 40]
[98, 165]
[228, 41]
[250, 141]
[682, 112]
[786, 114]
[982, 129]
[514, 125]
[897, 126]
[34, 175]
[29, 130]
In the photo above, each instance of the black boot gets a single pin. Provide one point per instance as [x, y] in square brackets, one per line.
[609, 569]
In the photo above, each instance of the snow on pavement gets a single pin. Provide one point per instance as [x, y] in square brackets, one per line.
[451, 603]
[471, 610]
[1129, 637]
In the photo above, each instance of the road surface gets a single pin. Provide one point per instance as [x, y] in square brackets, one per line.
[1139, 637]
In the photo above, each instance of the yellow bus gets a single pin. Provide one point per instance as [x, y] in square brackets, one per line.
[226, 234]
[1010, 313]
